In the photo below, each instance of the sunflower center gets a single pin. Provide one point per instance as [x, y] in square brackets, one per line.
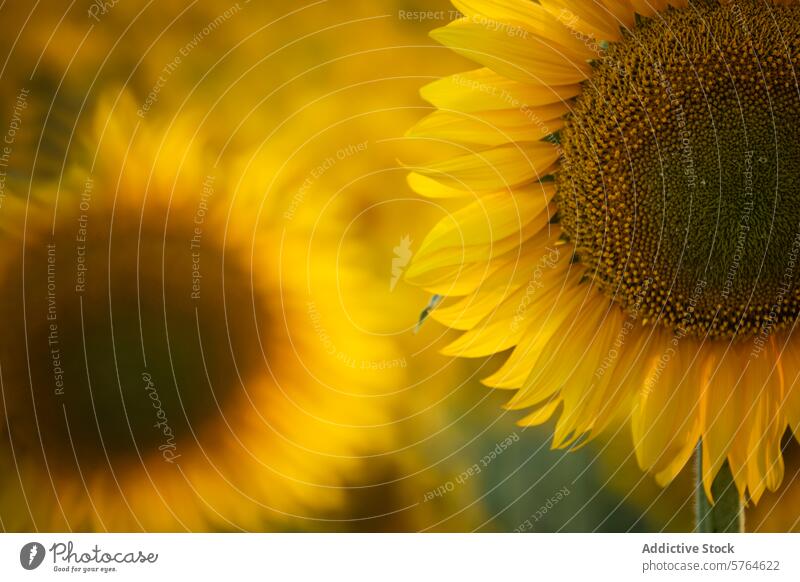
[121, 343]
[680, 182]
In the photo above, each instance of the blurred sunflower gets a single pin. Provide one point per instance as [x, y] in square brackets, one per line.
[634, 228]
[166, 363]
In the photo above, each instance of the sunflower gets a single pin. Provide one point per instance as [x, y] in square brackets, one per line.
[632, 228]
[167, 362]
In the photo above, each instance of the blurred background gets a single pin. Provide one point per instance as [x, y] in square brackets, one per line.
[307, 104]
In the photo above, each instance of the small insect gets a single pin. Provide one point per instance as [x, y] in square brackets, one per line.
[432, 304]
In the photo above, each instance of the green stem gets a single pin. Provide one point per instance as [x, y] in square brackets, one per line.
[726, 514]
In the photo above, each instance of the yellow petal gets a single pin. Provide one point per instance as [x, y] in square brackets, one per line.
[490, 218]
[549, 321]
[492, 335]
[495, 169]
[665, 419]
[454, 280]
[485, 90]
[621, 12]
[721, 412]
[767, 424]
[566, 363]
[458, 255]
[531, 16]
[590, 19]
[498, 332]
[625, 371]
[541, 415]
[528, 60]
[790, 361]
[492, 128]
[536, 264]
[430, 188]
[595, 399]
[544, 317]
